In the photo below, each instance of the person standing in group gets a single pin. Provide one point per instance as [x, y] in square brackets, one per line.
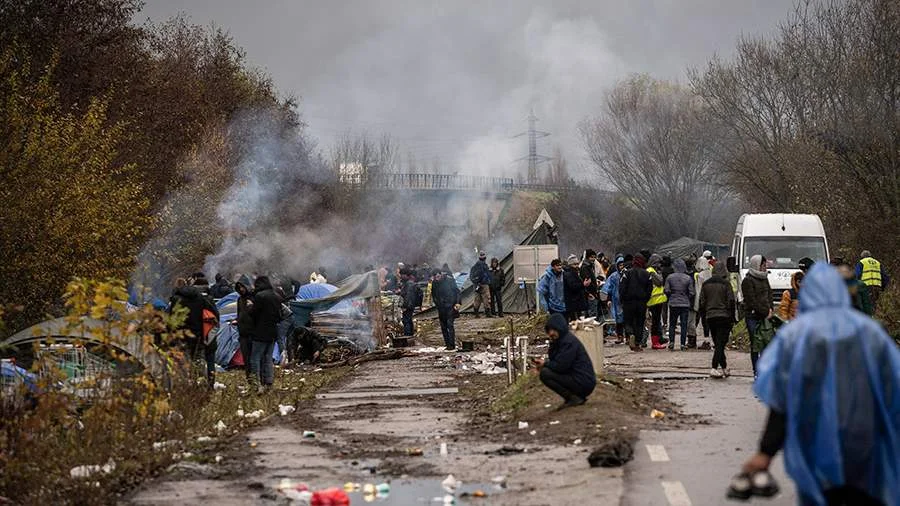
[201, 308]
[614, 301]
[266, 313]
[498, 281]
[657, 302]
[873, 275]
[859, 292]
[446, 298]
[757, 300]
[790, 299]
[589, 268]
[702, 273]
[679, 288]
[575, 289]
[480, 277]
[831, 382]
[245, 322]
[409, 293]
[717, 304]
[221, 288]
[635, 289]
[551, 289]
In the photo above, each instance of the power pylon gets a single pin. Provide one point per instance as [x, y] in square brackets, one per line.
[533, 157]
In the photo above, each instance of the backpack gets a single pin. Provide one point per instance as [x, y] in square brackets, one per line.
[210, 326]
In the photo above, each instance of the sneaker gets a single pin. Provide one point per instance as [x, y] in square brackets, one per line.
[726, 372]
[715, 373]
[572, 402]
[740, 488]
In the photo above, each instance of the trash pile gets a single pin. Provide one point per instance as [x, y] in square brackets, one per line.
[587, 324]
[300, 493]
[487, 363]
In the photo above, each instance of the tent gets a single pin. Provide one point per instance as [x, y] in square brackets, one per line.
[516, 299]
[686, 246]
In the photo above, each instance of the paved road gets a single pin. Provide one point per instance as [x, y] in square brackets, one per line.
[693, 467]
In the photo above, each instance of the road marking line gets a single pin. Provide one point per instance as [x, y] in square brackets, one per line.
[676, 494]
[657, 453]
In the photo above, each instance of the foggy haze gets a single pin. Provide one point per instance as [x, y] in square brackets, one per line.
[453, 82]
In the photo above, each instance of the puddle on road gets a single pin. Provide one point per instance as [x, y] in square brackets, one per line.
[426, 491]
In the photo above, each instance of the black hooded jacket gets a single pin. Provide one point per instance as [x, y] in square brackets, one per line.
[265, 311]
[568, 357]
[195, 300]
[575, 294]
[244, 318]
[445, 293]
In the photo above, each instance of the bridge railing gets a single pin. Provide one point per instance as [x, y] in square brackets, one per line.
[417, 181]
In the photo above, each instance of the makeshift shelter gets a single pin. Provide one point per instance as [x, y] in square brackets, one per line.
[516, 299]
[687, 246]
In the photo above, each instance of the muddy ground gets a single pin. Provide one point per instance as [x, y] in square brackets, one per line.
[391, 437]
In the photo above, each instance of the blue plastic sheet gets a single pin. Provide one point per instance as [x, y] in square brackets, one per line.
[835, 373]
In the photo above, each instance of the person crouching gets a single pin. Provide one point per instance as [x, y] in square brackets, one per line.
[568, 371]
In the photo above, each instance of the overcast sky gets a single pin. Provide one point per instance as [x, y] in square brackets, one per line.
[454, 80]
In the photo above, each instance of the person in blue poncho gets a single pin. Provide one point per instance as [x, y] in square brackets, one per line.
[831, 380]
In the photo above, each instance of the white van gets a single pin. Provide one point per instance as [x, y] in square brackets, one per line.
[783, 239]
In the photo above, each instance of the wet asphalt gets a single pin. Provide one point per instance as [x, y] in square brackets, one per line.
[694, 466]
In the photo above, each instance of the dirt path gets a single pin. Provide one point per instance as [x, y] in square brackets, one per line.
[367, 440]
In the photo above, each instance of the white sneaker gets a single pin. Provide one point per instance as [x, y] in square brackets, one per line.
[715, 373]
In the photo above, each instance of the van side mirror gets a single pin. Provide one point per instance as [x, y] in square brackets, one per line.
[731, 264]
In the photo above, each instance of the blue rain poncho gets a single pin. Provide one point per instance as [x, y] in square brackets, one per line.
[835, 374]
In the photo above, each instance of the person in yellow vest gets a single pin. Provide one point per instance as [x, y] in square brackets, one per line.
[657, 302]
[871, 273]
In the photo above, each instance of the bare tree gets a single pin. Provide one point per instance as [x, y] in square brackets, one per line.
[357, 156]
[649, 143]
[559, 168]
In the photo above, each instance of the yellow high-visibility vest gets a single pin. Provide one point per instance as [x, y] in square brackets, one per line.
[871, 272]
[658, 296]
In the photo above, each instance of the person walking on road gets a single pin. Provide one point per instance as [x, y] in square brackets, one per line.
[446, 298]
[657, 302]
[831, 382]
[575, 289]
[551, 289]
[717, 304]
[873, 275]
[614, 301]
[568, 370]
[266, 313]
[635, 290]
[480, 277]
[679, 289]
[498, 281]
[757, 300]
[702, 273]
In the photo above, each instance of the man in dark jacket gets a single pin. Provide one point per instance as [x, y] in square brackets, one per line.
[575, 294]
[221, 288]
[589, 272]
[445, 294]
[480, 277]
[245, 321]
[408, 292]
[568, 370]
[498, 281]
[195, 299]
[717, 305]
[266, 313]
[757, 299]
[635, 289]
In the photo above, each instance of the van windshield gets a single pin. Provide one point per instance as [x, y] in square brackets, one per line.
[784, 252]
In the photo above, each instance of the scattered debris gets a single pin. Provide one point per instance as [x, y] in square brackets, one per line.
[219, 386]
[614, 454]
[649, 381]
[533, 433]
[219, 458]
[576, 442]
[444, 451]
[656, 414]
[548, 406]
[414, 452]
[507, 450]
[555, 422]
[220, 426]
[285, 410]
[451, 484]
[204, 439]
[308, 434]
[523, 425]
[162, 445]
[499, 481]
[255, 414]
[629, 380]
[88, 471]
[240, 413]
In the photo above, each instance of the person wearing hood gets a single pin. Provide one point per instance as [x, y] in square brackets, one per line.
[635, 289]
[575, 294]
[757, 300]
[245, 323]
[831, 382]
[221, 288]
[266, 313]
[679, 288]
[196, 299]
[568, 370]
[790, 299]
[409, 294]
[702, 273]
[589, 269]
[614, 302]
[498, 281]
[551, 289]
[657, 302]
[446, 295]
[717, 304]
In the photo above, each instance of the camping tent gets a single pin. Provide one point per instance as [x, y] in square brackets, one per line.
[686, 246]
[515, 298]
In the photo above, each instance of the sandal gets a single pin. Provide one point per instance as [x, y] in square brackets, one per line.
[740, 488]
[764, 485]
